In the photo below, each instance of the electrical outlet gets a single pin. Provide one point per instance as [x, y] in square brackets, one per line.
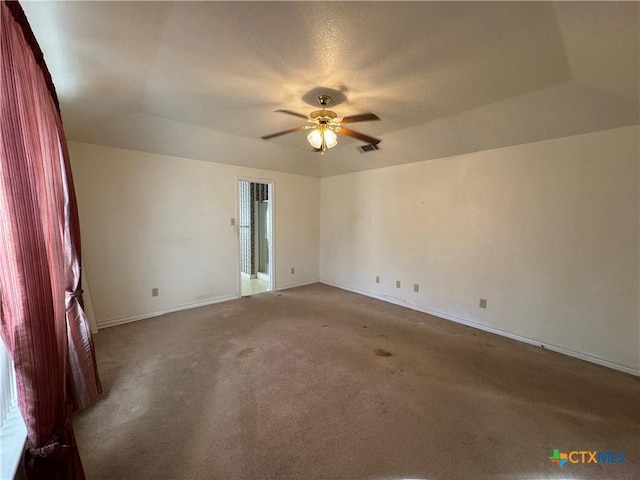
[154, 292]
[416, 287]
[293, 270]
[232, 221]
[377, 278]
[483, 303]
[397, 283]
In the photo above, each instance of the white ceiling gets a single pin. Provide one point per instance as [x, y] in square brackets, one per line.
[202, 79]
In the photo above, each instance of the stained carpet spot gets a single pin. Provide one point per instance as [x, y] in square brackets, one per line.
[364, 326]
[324, 326]
[382, 353]
[246, 352]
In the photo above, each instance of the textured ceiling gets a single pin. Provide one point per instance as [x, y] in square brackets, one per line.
[202, 79]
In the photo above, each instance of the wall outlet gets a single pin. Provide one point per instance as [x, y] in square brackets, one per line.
[397, 283]
[483, 303]
[416, 287]
[293, 270]
[154, 292]
[377, 278]
[232, 221]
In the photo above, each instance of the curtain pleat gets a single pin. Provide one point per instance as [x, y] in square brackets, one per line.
[41, 318]
[84, 375]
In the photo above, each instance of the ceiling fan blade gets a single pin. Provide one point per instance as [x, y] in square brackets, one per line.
[363, 117]
[289, 112]
[359, 136]
[297, 129]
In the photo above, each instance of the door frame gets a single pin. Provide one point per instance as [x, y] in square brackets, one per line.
[272, 223]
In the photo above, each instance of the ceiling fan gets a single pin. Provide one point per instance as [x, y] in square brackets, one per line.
[325, 124]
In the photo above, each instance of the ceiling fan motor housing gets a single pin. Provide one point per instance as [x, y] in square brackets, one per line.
[323, 116]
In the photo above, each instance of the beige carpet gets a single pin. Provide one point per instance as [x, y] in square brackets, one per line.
[318, 383]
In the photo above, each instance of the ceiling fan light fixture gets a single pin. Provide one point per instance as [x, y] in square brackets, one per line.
[321, 135]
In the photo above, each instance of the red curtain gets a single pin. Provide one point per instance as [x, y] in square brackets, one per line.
[42, 321]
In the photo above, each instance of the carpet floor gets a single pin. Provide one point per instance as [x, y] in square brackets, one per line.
[320, 383]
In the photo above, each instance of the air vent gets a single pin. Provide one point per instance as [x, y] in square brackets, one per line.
[369, 148]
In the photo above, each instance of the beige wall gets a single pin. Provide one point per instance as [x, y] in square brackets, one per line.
[547, 232]
[150, 221]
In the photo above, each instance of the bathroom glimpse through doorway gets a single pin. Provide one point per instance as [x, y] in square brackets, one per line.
[255, 225]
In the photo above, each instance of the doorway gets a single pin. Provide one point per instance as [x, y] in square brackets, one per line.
[255, 225]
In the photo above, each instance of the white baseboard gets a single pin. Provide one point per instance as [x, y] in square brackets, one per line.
[122, 320]
[623, 367]
[299, 284]
[119, 321]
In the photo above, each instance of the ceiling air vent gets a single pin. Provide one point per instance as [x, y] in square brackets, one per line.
[369, 148]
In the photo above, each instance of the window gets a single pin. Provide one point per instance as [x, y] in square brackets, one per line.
[12, 430]
[7, 383]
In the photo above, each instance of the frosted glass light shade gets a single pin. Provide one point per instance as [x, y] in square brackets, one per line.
[330, 138]
[315, 138]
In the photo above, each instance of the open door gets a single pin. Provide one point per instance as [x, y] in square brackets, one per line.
[263, 238]
[255, 224]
